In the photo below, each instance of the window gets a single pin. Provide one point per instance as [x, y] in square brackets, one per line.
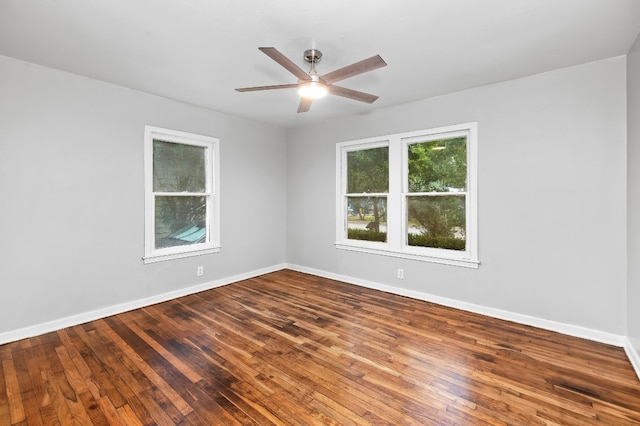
[182, 195]
[367, 190]
[410, 195]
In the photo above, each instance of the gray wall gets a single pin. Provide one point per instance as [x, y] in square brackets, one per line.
[72, 185]
[633, 197]
[552, 196]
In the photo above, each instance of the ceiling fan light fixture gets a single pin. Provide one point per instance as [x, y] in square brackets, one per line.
[312, 89]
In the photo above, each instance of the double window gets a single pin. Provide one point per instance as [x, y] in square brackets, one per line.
[182, 194]
[410, 195]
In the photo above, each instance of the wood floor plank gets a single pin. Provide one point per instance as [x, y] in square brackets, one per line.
[289, 348]
[60, 407]
[5, 416]
[151, 374]
[99, 382]
[170, 357]
[28, 394]
[36, 360]
[13, 392]
[128, 416]
[109, 411]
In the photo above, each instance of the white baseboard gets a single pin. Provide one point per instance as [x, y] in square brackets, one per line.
[38, 329]
[633, 355]
[568, 329]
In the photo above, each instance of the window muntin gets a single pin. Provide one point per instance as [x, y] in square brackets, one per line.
[430, 203]
[181, 203]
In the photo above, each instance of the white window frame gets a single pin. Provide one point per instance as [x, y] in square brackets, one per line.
[212, 194]
[396, 245]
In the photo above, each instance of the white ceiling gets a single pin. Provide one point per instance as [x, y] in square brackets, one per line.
[198, 51]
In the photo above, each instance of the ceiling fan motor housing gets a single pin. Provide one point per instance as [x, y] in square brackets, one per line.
[312, 56]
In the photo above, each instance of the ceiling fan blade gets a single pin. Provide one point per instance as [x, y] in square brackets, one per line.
[277, 86]
[352, 94]
[305, 104]
[361, 67]
[274, 54]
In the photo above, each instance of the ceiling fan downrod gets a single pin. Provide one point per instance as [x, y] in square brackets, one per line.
[312, 56]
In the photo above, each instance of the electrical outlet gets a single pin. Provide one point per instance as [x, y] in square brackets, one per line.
[200, 271]
[401, 273]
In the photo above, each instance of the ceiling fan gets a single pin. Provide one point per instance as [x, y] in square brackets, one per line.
[310, 85]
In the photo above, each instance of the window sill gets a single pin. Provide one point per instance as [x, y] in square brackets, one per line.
[182, 255]
[452, 261]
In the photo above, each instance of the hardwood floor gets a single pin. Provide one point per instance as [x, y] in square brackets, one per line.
[293, 349]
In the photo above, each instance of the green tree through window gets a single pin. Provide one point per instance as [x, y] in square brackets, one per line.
[437, 173]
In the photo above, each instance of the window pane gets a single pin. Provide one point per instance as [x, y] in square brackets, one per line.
[367, 218]
[368, 170]
[180, 221]
[438, 166]
[178, 167]
[436, 221]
